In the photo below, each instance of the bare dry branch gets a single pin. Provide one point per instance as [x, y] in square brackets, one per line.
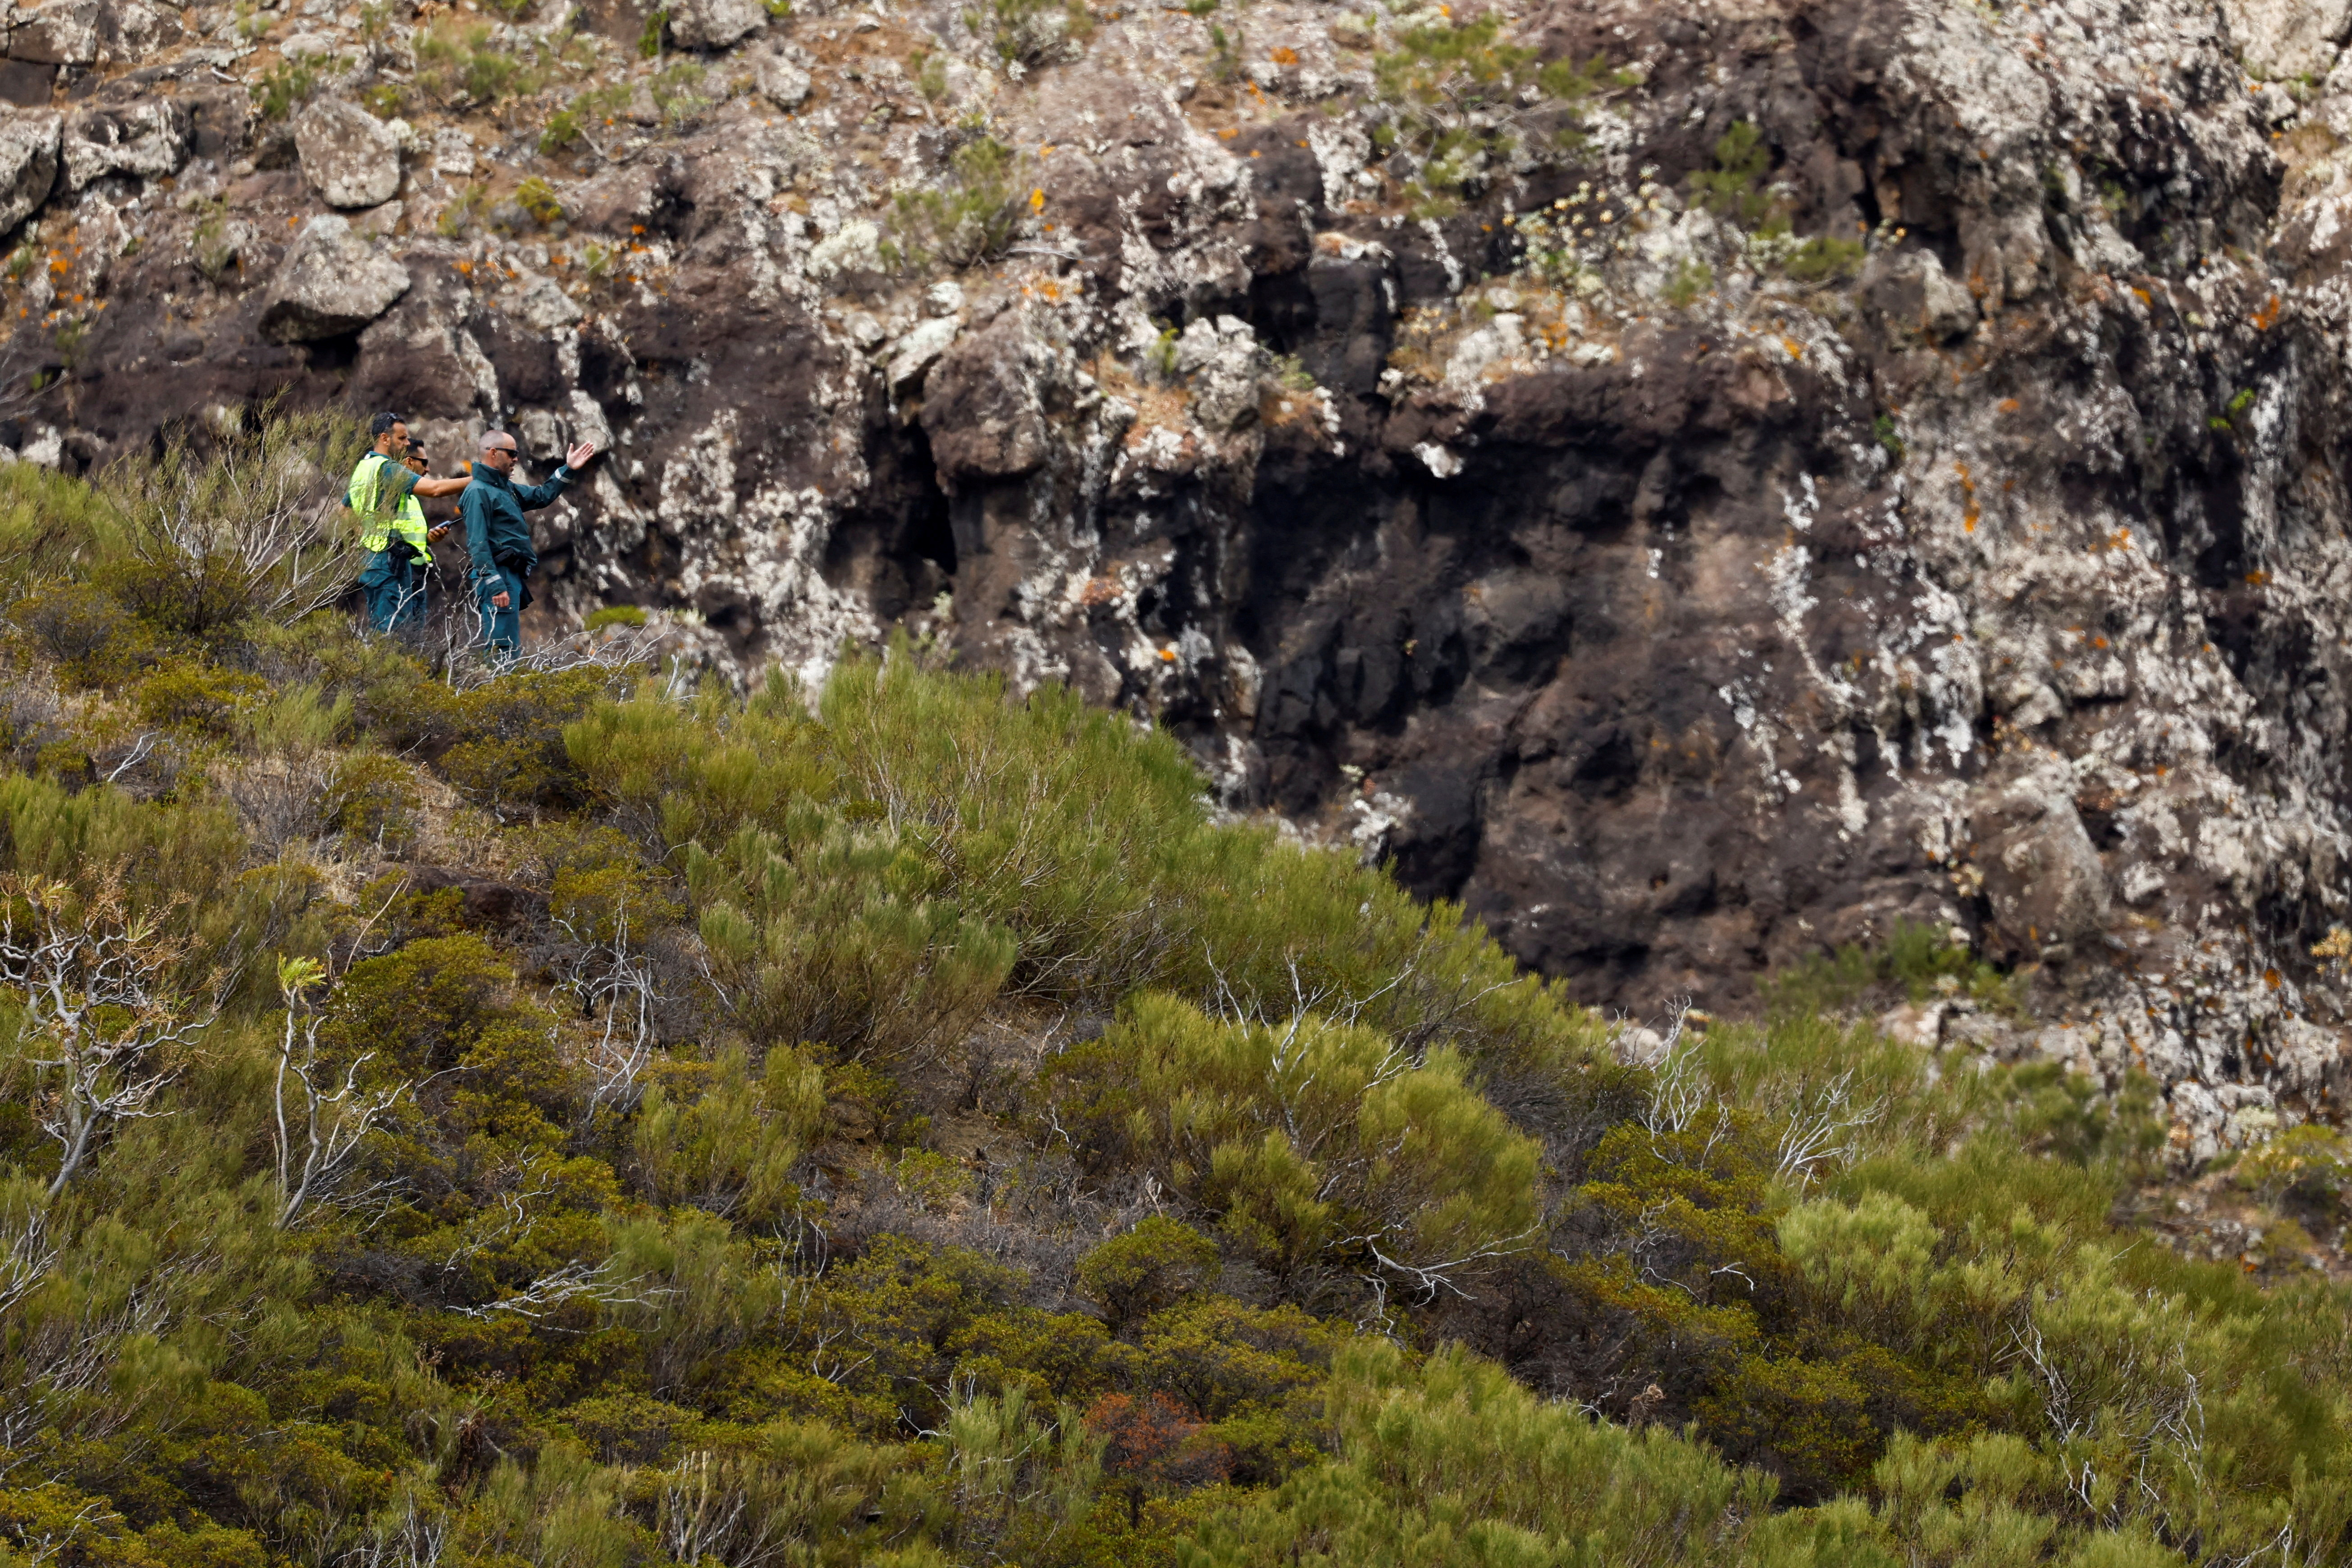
[95, 981]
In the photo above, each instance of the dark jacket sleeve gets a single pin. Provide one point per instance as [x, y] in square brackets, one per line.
[538, 495]
[474, 506]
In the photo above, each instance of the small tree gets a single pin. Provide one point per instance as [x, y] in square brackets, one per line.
[1155, 1265]
[254, 529]
[99, 1008]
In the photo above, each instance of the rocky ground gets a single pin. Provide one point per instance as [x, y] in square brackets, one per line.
[1697, 481]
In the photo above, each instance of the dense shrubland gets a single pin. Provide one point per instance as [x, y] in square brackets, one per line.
[566, 1117]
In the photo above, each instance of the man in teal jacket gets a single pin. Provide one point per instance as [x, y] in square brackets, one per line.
[498, 539]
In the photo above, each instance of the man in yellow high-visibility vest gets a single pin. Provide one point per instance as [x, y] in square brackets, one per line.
[384, 492]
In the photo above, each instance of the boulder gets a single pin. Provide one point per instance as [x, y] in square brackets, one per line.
[544, 307]
[1225, 362]
[983, 413]
[61, 33]
[1911, 297]
[2286, 38]
[28, 164]
[349, 156]
[128, 31]
[421, 358]
[28, 84]
[540, 433]
[453, 154]
[329, 283]
[781, 82]
[147, 139]
[715, 24]
[2041, 874]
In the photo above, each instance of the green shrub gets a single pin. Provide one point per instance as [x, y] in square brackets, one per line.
[677, 90]
[184, 695]
[1451, 1462]
[1030, 31]
[425, 1007]
[285, 87]
[1457, 92]
[372, 798]
[731, 1150]
[800, 1491]
[537, 197]
[1918, 962]
[1088, 842]
[1733, 187]
[464, 62]
[2312, 1162]
[1153, 1265]
[1737, 187]
[1692, 280]
[254, 531]
[564, 130]
[970, 219]
[94, 640]
[461, 61]
[1312, 1145]
[841, 942]
[1824, 258]
[508, 754]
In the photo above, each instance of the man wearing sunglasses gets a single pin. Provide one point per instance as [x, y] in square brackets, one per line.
[498, 539]
[383, 491]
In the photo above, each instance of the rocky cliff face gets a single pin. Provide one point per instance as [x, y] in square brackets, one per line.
[1697, 481]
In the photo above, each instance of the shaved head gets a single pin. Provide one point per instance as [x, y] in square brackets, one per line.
[497, 441]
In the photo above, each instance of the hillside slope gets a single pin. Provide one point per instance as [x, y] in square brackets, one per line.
[1697, 482]
[572, 1114]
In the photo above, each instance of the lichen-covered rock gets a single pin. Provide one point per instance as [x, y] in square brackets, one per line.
[146, 139]
[1225, 361]
[984, 411]
[128, 30]
[783, 83]
[349, 156]
[912, 356]
[28, 164]
[715, 24]
[330, 282]
[2042, 877]
[2284, 40]
[57, 33]
[1912, 295]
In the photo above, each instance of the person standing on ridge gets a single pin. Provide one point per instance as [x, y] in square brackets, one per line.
[498, 539]
[384, 491]
[421, 465]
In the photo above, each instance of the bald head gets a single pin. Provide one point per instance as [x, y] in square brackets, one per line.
[498, 450]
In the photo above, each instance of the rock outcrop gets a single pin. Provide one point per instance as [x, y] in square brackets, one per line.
[1785, 469]
[330, 284]
[28, 164]
[351, 158]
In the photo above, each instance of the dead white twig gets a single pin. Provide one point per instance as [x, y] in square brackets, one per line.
[95, 983]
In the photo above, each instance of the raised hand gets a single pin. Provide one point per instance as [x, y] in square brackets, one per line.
[578, 456]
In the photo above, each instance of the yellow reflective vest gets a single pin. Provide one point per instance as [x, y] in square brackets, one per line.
[405, 521]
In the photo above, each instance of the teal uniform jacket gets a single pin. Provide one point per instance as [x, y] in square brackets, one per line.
[498, 537]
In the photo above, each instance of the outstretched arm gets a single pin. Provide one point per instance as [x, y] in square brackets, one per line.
[445, 486]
